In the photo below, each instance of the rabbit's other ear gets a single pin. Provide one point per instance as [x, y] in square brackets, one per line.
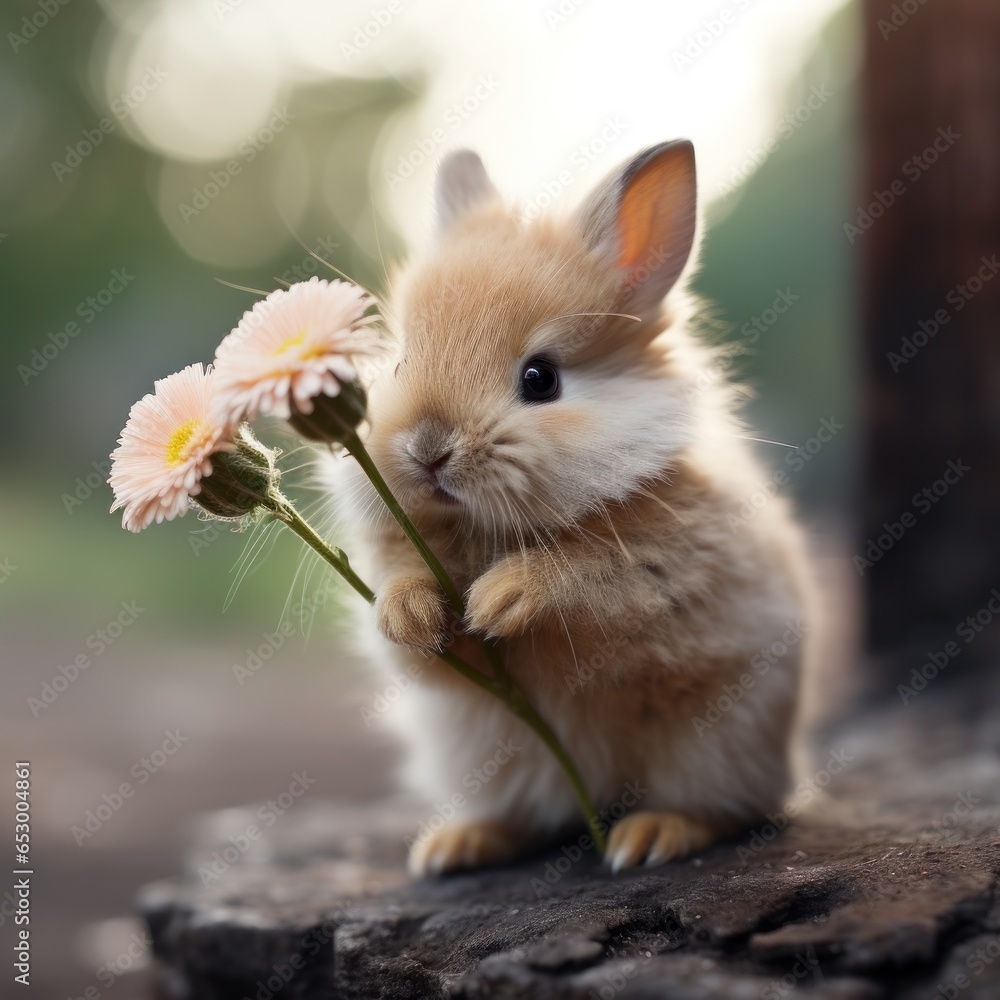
[642, 218]
[462, 185]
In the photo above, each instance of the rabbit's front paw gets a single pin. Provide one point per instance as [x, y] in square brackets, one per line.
[411, 611]
[505, 600]
[651, 838]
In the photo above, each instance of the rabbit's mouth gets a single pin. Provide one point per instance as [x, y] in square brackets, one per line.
[441, 495]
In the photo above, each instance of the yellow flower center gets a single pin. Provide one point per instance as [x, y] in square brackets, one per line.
[179, 440]
[291, 342]
[287, 345]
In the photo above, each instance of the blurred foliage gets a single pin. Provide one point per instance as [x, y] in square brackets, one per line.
[63, 238]
[781, 231]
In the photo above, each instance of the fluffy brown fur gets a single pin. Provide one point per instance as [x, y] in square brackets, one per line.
[594, 533]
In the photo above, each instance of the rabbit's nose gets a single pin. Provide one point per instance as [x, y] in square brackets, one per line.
[437, 464]
[432, 465]
[431, 445]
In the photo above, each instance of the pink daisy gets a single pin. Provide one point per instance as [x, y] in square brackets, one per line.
[166, 448]
[296, 344]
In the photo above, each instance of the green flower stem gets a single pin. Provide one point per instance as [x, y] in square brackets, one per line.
[523, 709]
[354, 445]
[337, 558]
[468, 671]
[492, 648]
[500, 685]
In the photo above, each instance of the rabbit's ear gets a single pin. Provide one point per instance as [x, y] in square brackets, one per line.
[462, 185]
[642, 220]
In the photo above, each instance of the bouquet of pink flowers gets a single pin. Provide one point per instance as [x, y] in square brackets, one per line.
[293, 355]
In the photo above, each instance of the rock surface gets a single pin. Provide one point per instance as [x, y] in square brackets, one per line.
[882, 884]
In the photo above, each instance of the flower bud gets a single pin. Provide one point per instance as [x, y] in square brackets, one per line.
[241, 480]
[334, 419]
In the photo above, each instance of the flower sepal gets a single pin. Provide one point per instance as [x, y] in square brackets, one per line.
[333, 419]
[241, 480]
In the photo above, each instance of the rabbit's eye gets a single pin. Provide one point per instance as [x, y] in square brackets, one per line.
[539, 381]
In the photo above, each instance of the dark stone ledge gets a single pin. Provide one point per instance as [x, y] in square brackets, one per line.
[884, 889]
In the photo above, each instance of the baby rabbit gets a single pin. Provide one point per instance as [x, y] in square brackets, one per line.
[563, 443]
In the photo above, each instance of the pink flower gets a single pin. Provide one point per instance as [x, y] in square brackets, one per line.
[166, 447]
[291, 347]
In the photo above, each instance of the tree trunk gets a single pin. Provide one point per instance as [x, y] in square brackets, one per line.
[929, 233]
